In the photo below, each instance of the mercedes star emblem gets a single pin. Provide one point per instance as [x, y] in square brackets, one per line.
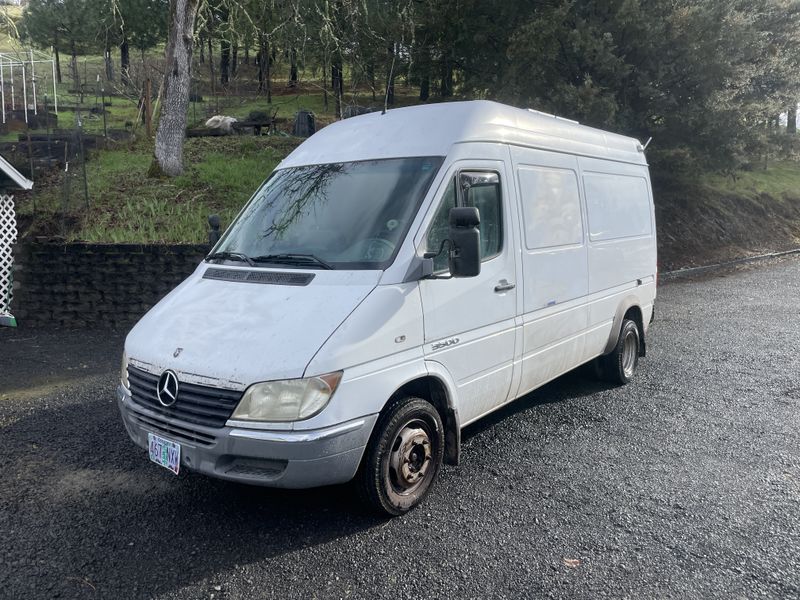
[167, 389]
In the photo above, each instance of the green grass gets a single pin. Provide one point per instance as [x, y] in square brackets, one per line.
[125, 206]
[9, 17]
[778, 180]
[147, 220]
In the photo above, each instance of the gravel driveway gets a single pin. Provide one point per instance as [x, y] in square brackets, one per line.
[683, 484]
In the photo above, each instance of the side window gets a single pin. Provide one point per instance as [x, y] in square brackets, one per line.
[440, 228]
[551, 207]
[618, 206]
[480, 189]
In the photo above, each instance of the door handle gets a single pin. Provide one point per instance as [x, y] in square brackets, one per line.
[504, 286]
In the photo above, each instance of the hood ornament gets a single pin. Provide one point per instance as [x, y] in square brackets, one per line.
[167, 388]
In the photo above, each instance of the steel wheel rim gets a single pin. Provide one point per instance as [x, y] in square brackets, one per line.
[630, 349]
[410, 458]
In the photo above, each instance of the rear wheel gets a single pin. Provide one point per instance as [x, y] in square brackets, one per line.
[620, 365]
[403, 458]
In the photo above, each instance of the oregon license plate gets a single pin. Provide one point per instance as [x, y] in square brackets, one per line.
[164, 452]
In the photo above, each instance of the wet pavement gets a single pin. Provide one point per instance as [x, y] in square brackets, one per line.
[683, 484]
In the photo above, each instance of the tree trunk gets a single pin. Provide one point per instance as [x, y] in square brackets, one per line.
[58, 62]
[211, 67]
[124, 62]
[264, 71]
[371, 77]
[292, 67]
[235, 60]
[424, 67]
[73, 66]
[109, 63]
[325, 83]
[176, 87]
[337, 84]
[201, 40]
[791, 119]
[425, 86]
[390, 74]
[224, 62]
[446, 87]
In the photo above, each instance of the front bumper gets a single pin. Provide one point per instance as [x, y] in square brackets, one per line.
[289, 459]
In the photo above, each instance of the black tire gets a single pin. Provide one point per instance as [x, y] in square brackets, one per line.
[409, 434]
[620, 365]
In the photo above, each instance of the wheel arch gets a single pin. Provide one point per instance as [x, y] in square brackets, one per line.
[436, 390]
[628, 309]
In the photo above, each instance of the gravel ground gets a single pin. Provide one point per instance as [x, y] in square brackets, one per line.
[683, 484]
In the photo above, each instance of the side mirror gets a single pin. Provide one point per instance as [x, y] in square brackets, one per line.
[465, 238]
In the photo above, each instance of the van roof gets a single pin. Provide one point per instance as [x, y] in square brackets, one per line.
[431, 130]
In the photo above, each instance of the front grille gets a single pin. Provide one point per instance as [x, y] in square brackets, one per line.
[257, 468]
[184, 434]
[198, 404]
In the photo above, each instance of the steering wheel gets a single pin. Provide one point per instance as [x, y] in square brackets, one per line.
[375, 249]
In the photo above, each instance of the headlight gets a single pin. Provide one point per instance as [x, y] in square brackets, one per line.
[288, 400]
[123, 373]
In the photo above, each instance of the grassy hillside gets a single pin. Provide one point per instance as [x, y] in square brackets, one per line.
[127, 206]
[716, 218]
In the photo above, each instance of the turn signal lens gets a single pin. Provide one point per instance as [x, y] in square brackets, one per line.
[123, 374]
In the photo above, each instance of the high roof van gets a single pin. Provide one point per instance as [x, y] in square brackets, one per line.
[396, 278]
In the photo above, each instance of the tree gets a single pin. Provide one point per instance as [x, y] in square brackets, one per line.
[41, 26]
[141, 24]
[68, 24]
[168, 158]
[702, 78]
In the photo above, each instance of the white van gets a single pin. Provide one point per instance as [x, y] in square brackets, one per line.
[396, 278]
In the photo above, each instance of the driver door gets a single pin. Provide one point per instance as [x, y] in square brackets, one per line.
[470, 322]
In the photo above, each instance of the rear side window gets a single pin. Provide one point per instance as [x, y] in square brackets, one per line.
[551, 207]
[618, 206]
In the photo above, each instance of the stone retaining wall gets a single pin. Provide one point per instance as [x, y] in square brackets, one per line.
[95, 285]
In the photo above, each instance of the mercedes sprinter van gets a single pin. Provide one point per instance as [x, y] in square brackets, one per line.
[397, 277]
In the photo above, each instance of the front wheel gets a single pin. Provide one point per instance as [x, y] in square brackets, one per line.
[403, 458]
[620, 365]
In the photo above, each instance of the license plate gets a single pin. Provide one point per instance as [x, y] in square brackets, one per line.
[164, 453]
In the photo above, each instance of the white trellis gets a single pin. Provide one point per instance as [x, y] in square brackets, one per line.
[8, 235]
[25, 69]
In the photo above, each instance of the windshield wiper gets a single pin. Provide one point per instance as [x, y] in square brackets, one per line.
[231, 256]
[293, 259]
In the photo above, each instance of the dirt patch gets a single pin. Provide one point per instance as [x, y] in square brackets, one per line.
[698, 226]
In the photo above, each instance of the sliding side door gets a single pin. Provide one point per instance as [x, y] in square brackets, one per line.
[554, 259]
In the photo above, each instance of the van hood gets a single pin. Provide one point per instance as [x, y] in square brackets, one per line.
[233, 334]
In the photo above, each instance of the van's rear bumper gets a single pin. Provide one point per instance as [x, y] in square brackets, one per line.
[289, 459]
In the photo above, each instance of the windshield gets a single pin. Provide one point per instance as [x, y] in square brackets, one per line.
[351, 215]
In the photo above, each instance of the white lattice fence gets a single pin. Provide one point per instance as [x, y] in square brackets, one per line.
[8, 235]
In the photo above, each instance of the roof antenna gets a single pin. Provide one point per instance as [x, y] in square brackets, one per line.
[389, 81]
[647, 143]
